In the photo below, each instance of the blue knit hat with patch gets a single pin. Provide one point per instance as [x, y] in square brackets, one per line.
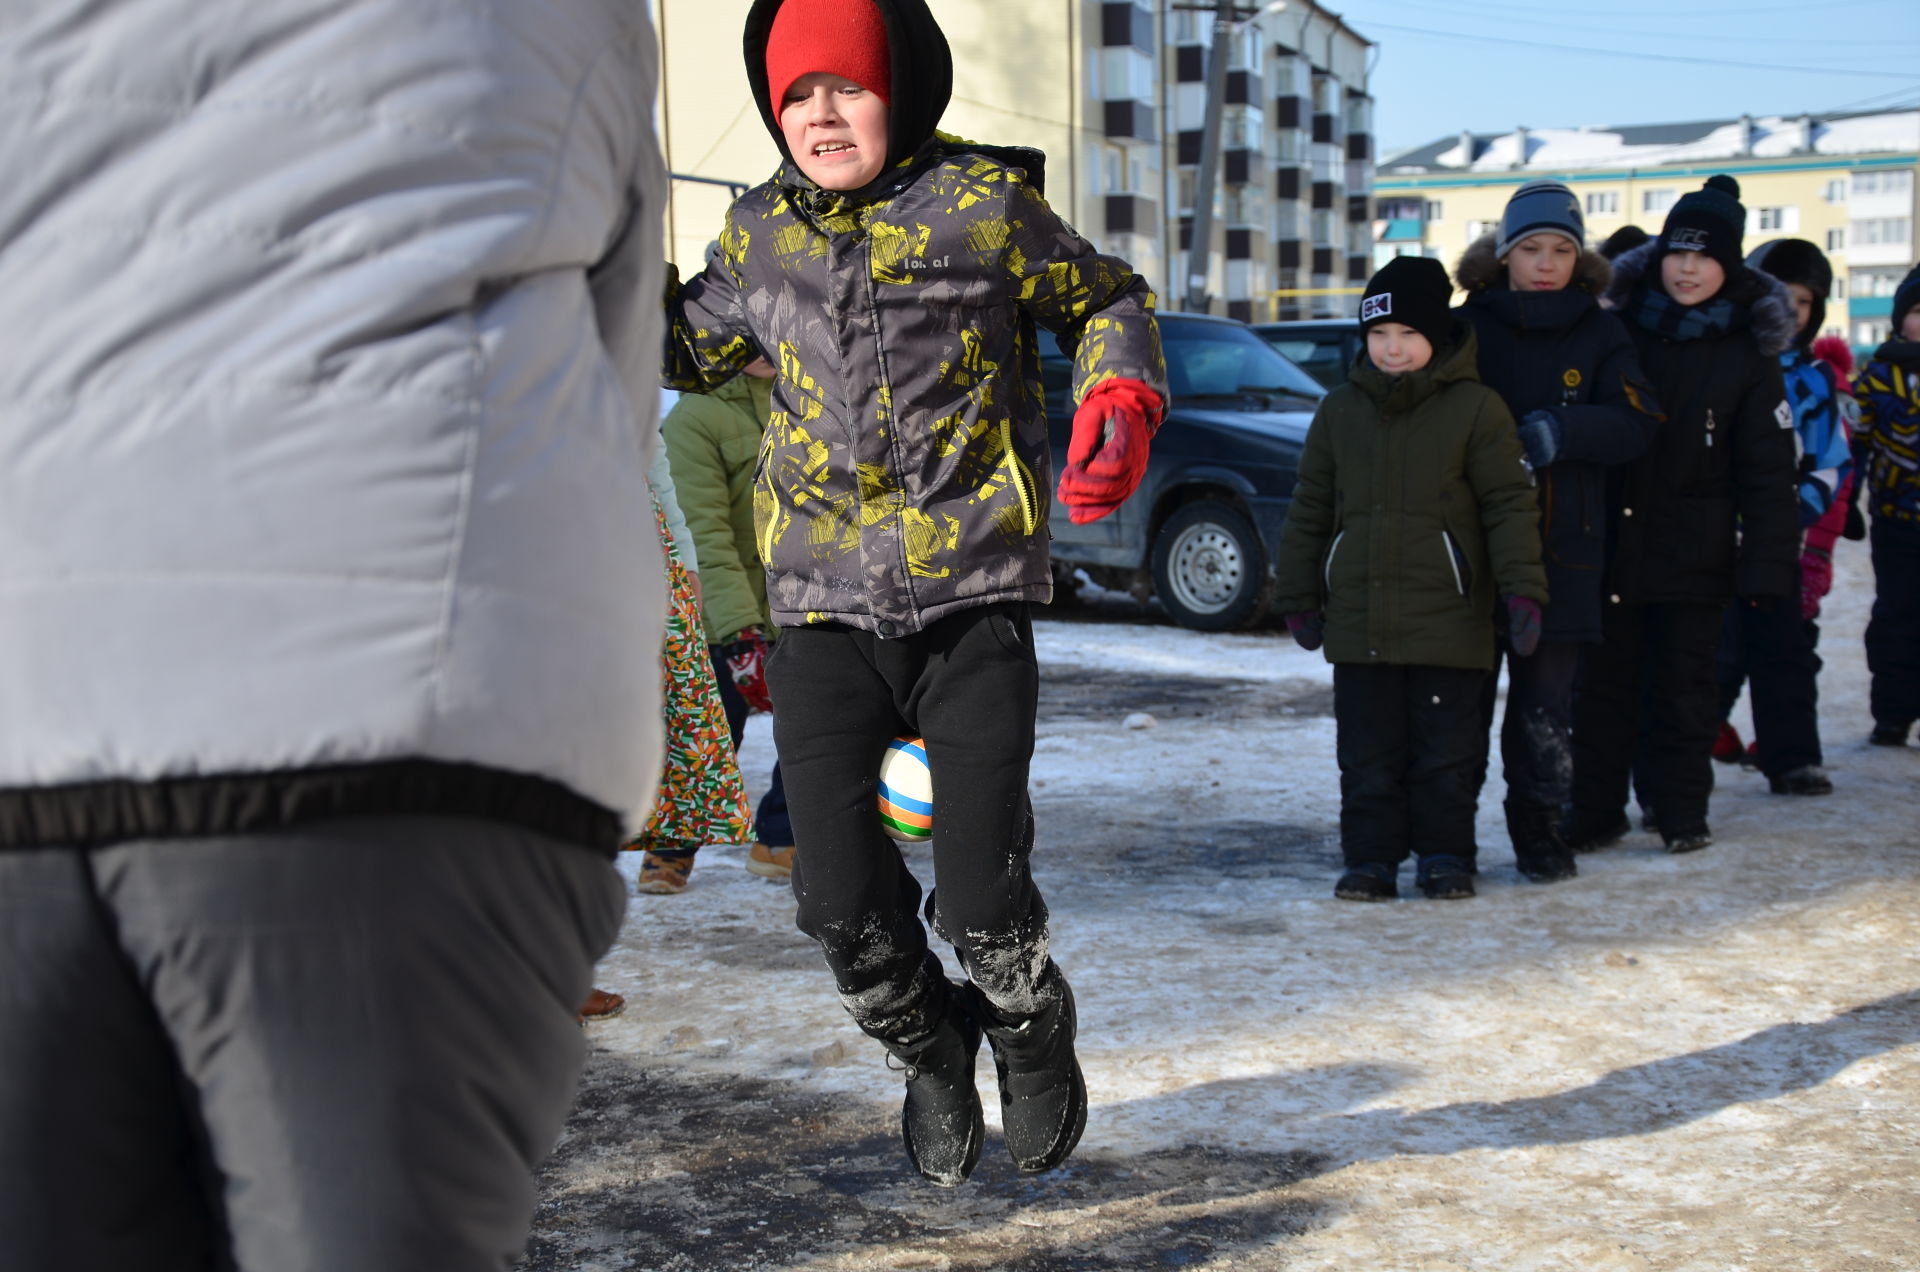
[1541, 207]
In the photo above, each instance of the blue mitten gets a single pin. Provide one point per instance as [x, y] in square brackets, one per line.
[1541, 436]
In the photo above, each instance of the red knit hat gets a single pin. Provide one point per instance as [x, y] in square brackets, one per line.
[847, 38]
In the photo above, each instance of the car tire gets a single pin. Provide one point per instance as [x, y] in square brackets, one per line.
[1210, 568]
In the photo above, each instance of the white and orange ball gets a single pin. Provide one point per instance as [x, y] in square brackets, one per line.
[906, 792]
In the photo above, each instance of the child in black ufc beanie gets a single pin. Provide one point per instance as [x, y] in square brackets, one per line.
[1709, 332]
[1413, 520]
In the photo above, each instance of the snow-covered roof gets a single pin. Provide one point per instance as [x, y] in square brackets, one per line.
[1650, 145]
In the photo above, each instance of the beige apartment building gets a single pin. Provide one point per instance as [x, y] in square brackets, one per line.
[1114, 93]
[1845, 182]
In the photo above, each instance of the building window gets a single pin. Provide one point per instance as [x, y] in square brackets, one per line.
[1186, 26]
[1436, 210]
[1899, 181]
[1837, 240]
[1839, 287]
[1603, 203]
[1876, 282]
[1836, 191]
[1871, 331]
[1657, 200]
[1477, 229]
[1885, 229]
[1770, 218]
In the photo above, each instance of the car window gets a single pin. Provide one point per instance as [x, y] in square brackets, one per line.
[1203, 358]
[1213, 358]
[1323, 357]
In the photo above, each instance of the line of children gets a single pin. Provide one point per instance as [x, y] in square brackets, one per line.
[1887, 453]
[895, 276]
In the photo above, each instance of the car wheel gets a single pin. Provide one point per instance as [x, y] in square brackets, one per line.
[1209, 567]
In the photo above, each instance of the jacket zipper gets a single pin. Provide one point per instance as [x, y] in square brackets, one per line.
[1446, 545]
[1327, 571]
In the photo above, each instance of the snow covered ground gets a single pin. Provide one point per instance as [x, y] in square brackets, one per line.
[1687, 1063]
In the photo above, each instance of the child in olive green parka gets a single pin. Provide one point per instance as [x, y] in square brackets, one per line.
[1413, 524]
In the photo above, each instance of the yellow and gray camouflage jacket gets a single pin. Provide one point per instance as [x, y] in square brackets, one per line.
[905, 472]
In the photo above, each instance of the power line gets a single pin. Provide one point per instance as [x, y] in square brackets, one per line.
[1878, 48]
[1642, 56]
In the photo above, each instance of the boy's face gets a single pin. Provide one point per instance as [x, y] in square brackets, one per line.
[1692, 278]
[1397, 348]
[1910, 324]
[835, 130]
[1541, 262]
[1802, 305]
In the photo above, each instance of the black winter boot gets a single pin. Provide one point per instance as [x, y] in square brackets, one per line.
[1043, 1096]
[1585, 831]
[1368, 881]
[1539, 852]
[941, 1122]
[1444, 877]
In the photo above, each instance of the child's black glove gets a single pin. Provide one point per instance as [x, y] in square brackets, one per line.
[1523, 624]
[1309, 628]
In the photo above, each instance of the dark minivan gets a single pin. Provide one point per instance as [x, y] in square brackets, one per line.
[1201, 530]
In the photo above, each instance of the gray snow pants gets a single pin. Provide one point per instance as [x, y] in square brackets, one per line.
[338, 1046]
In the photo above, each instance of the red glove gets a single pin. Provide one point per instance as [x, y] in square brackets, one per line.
[1523, 625]
[747, 662]
[1112, 431]
[1309, 629]
[1816, 580]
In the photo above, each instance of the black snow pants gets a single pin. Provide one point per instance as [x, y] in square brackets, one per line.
[1771, 650]
[1410, 742]
[969, 685]
[1536, 748]
[1893, 633]
[1659, 658]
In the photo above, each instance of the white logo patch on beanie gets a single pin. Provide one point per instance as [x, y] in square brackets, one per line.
[1687, 240]
[1376, 307]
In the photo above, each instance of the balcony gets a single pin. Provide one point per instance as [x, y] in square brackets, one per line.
[1239, 164]
[1244, 89]
[1132, 214]
[1323, 195]
[1129, 120]
[1239, 243]
[1126, 24]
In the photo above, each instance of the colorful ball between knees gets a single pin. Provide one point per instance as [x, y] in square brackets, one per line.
[906, 791]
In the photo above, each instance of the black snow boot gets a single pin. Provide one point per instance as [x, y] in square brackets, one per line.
[1445, 877]
[1889, 734]
[1368, 881]
[1585, 831]
[941, 1122]
[1692, 839]
[1538, 850]
[1808, 779]
[1043, 1095]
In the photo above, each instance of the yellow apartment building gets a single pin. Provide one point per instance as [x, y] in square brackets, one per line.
[1844, 182]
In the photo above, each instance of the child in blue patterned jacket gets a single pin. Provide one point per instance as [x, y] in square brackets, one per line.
[1887, 449]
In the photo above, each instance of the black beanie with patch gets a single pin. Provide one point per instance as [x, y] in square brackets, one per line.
[1413, 291]
[1711, 220]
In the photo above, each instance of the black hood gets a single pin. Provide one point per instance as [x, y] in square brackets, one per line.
[1798, 261]
[922, 74]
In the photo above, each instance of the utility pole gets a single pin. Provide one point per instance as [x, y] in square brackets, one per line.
[1201, 247]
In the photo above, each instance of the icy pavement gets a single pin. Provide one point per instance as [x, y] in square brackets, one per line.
[1704, 1062]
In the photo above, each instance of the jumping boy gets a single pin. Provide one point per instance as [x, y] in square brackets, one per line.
[896, 276]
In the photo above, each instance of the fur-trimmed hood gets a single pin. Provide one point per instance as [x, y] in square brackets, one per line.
[1762, 297]
[1479, 269]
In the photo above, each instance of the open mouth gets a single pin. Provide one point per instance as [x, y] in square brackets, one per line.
[833, 148]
